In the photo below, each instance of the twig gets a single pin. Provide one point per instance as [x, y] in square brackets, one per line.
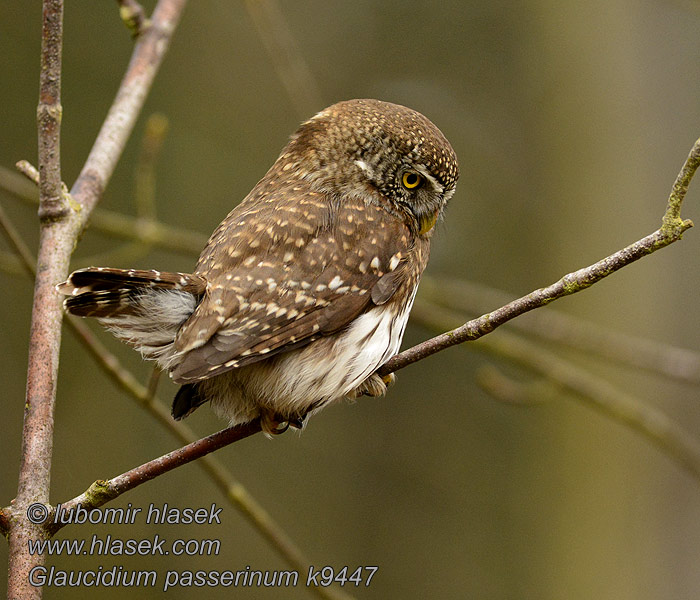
[671, 231]
[652, 424]
[29, 171]
[101, 492]
[675, 363]
[148, 54]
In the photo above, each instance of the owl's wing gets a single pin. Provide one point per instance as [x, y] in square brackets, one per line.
[295, 277]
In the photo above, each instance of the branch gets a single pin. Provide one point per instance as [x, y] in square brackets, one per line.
[101, 492]
[148, 54]
[49, 112]
[672, 362]
[45, 335]
[672, 230]
[651, 423]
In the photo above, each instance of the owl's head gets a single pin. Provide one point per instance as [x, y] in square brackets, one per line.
[383, 152]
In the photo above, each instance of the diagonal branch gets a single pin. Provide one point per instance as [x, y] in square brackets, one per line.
[101, 492]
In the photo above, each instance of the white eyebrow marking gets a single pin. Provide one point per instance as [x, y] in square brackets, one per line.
[365, 167]
[435, 183]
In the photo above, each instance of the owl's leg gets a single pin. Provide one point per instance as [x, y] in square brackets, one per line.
[373, 386]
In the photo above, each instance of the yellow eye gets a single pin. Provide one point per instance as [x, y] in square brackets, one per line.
[411, 180]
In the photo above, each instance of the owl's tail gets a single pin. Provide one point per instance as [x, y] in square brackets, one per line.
[143, 308]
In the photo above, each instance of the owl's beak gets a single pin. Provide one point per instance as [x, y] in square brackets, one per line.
[427, 222]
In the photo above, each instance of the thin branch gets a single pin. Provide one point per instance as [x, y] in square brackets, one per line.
[29, 171]
[148, 54]
[651, 423]
[671, 231]
[101, 491]
[669, 361]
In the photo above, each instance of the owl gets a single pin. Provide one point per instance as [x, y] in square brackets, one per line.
[305, 288]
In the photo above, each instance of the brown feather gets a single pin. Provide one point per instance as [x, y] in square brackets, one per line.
[249, 313]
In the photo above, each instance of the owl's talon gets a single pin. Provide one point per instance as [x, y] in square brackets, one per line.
[297, 423]
[273, 424]
[281, 428]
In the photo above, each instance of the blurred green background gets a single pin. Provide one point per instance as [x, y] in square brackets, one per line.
[571, 120]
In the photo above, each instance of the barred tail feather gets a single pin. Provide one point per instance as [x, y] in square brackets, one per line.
[143, 308]
[95, 279]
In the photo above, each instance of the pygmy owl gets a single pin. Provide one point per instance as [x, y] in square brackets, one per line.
[304, 290]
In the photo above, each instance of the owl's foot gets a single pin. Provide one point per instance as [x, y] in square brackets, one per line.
[273, 423]
[373, 386]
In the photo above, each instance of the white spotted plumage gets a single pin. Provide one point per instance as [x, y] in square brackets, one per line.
[304, 290]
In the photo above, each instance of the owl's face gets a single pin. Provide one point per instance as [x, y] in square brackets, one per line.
[386, 153]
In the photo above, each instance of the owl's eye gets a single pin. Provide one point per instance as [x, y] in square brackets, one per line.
[411, 180]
